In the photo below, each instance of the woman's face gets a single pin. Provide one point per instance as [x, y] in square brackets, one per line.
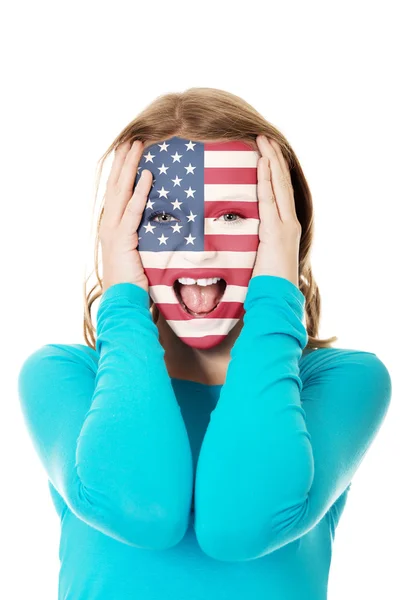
[198, 236]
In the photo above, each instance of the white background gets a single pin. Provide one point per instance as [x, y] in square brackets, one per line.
[74, 74]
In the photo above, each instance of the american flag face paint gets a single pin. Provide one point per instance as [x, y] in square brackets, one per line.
[200, 222]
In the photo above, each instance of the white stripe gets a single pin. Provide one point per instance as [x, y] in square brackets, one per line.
[166, 295]
[180, 259]
[221, 227]
[230, 158]
[200, 327]
[243, 192]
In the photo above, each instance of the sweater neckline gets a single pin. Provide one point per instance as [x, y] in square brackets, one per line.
[207, 385]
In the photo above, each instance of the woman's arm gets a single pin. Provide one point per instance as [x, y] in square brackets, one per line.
[111, 435]
[280, 450]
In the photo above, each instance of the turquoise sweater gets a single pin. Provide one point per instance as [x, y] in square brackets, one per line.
[170, 489]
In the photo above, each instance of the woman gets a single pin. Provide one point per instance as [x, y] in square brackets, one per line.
[203, 448]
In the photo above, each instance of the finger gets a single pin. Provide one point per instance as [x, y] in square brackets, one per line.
[267, 206]
[134, 209]
[281, 158]
[281, 186]
[118, 192]
[129, 168]
[286, 180]
[119, 158]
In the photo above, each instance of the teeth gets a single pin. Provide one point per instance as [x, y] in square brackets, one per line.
[189, 281]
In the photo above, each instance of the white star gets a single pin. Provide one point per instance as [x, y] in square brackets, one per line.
[189, 239]
[189, 169]
[139, 238]
[149, 228]
[176, 180]
[191, 217]
[190, 146]
[163, 146]
[139, 168]
[163, 169]
[176, 204]
[190, 193]
[163, 193]
[177, 227]
[149, 157]
[176, 156]
[162, 239]
[149, 203]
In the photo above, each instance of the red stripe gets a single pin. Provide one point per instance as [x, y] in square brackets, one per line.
[203, 343]
[221, 175]
[238, 243]
[248, 210]
[160, 276]
[231, 145]
[173, 312]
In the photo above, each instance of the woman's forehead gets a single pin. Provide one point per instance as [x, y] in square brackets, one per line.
[222, 143]
[201, 176]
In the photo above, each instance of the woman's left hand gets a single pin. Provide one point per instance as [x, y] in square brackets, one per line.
[279, 230]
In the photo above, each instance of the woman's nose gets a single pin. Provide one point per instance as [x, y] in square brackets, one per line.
[199, 258]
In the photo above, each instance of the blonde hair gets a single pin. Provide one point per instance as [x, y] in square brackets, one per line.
[209, 114]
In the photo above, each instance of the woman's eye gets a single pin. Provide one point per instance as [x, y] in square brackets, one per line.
[232, 215]
[164, 217]
[161, 214]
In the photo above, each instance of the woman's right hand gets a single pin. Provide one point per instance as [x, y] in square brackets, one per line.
[122, 215]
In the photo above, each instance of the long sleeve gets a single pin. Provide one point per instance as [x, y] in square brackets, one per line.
[107, 426]
[288, 432]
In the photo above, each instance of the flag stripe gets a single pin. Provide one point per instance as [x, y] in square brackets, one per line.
[198, 327]
[174, 312]
[244, 192]
[175, 260]
[229, 175]
[240, 160]
[205, 341]
[239, 243]
[234, 145]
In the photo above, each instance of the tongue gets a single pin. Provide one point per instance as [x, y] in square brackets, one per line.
[201, 298]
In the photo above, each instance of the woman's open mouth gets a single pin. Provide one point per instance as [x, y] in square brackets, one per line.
[197, 300]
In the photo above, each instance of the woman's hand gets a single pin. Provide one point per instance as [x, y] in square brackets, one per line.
[122, 216]
[279, 230]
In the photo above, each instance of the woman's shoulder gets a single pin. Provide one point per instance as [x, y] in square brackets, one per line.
[60, 354]
[344, 360]
[313, 354]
